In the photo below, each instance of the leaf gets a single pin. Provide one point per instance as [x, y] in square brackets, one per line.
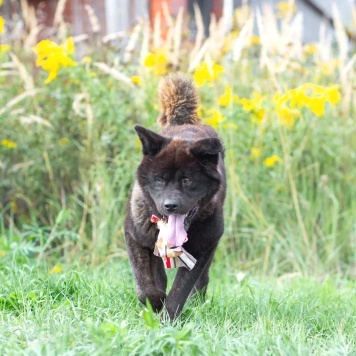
[149, 317]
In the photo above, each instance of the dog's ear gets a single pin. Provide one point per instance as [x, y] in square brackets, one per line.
[152, 143]
[207, 150]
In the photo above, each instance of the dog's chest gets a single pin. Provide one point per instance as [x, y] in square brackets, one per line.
[140, 215]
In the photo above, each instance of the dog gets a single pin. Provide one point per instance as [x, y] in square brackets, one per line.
[177, 200]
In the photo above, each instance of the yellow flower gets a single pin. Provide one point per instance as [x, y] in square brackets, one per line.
[68, 46]
[4, 48]
[149, 61]
[200, 111]
[254, 105]
[315, 98]
[297, 97]
[215, 119]
[280, 99]
[1, 1]
[86, 59]
[8, 143]
[255, 102]
[285, 9]
[63, 140]
[55, 269]
[229, 40]
[332, 94]
[258, 115]
[287, 116]
[316, 105]
[255, 40]
[207, 73]
[136, 79]
[51, 57]
[2, 253]
[157, 62]
[310, 49]
[227, 98]
[329, 68]
[308, 95]
[255, 153]
[2, 24]
[271, 161]
[247, 104]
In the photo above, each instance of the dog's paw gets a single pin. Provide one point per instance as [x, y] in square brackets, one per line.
[155, 298]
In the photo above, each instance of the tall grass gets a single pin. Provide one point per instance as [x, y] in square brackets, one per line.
[65, 184]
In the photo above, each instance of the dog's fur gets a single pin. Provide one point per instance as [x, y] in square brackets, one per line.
[182, 170]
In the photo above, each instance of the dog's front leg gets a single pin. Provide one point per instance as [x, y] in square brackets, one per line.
[150, 278]
[184, 283]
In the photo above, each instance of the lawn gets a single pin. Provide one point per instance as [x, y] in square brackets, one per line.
[283, 278]
[82, 310]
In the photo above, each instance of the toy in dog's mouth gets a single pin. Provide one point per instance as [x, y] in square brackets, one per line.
[172, 235]
[173, 228]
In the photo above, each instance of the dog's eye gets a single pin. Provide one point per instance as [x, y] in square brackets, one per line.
[160, 180]
[186, 181]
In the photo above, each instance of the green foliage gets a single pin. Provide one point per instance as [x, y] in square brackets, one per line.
[149, 317]
[85, 310]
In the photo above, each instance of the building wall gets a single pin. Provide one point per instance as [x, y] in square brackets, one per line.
[312, 21]
[119, 15]
[122, 14]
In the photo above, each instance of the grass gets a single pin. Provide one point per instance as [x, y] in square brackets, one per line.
[83, 310]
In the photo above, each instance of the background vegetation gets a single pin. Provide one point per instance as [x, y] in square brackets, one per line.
[68, 152]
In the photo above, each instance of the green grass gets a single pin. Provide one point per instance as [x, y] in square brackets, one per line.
[84, 310]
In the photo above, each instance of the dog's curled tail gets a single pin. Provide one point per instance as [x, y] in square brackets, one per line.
[178, 99]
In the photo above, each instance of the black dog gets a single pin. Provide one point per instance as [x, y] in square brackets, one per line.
[181, 182]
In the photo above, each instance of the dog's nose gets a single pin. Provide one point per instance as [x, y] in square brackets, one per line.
[170, 205]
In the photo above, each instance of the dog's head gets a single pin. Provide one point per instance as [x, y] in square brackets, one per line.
[179, 175]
